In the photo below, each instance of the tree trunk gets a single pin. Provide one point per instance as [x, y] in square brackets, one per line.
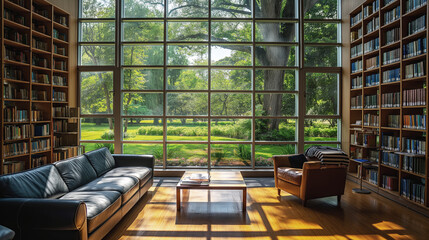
[107, 98]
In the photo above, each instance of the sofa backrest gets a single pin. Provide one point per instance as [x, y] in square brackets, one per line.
[76, 171]
[101, 159]
[42, 182]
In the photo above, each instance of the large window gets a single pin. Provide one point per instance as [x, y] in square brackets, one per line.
[209, 83]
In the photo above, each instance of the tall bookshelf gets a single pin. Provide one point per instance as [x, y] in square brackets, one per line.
[34, 85]
[388, 114]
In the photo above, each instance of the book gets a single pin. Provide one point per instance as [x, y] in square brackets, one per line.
[187, 181]
[200, 177]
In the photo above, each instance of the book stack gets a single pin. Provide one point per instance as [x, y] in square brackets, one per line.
[38, 160]
[370, 120]
[15, 55]
[13, 73]
[36, 115]
[41, 145]
[196, 179]
[39, 27]
[371, 8]
[413, 189]
[40, 95]
[356, 19]
[415, 70]
[19, 2]
[60, 19]
[373, 156]
[414, 97]
[414, 164]
[66, 152]
[391, 75]
[357, 66]
[414, 48]
[356, 102]
[369, 140]
[390, 182]
[39, 44]
[415, 121]
[16, 132]
[371, 101]
[417, 25]
[15, 36]
[14, 17]
[13, 114]
[373, 25]
[59, 80]
[372, 45]
[14, 149]
[391, 36]
[392, 15]
[391, 56]
[40, 130]
[372, 63]
[413, 146]
[355, 35]
[390, 159]
[13, 167]
[389, 142]
[356, 51]
[39, 77]
[389, 100]
[40, 61]
[410, 5]
[357, 82]
[12, 91]
[59, 35]
[59, 96]
[372, 175]
[393, 121]
[372, 80]
[59, 50]
[356, 152]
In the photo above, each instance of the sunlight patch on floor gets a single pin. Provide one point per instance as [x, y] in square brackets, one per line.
[387, 225]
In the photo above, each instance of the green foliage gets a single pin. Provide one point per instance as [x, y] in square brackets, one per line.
[107, 145]
[244, 152]
[108, 135]
[218, 154]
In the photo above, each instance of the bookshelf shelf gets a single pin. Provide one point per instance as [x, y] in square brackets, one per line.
[13, 6]
[397, 85]
[13, 24]
[16, 44]
[41, 18]
[16, 156]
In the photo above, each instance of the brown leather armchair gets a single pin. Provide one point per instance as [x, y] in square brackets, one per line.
[314, 180]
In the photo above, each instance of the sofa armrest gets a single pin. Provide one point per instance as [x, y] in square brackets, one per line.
[43, 214]
[134, 160]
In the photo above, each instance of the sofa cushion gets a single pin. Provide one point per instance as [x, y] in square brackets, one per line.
[297, 161]
[101, 159]
[291, 175]
[126, 186]
[76, 171]
[42, 182]
[140, 173]
[99, 205]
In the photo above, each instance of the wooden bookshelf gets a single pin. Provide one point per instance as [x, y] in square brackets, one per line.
[389, 101]
[34, 78]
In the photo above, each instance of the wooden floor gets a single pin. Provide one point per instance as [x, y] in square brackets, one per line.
[217, 215]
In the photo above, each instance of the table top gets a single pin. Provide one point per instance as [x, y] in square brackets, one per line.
[221, 180]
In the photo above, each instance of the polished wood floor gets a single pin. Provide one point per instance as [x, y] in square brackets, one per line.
[216, 215]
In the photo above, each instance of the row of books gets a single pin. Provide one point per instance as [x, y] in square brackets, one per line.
[410, 5]
[356, 152]
[371, 120]
[414, 164]
[16, 132]
[41, 130]
[372, 63]
[369, 139]
[13, 167]
[372, 45]
[11, 91]
[40, 95]
[393, 121]
[390, 142]
[414, 97]
[67, 152]
[59, 80]
[392, 15]
[373, 156]
[392, 56]
[41, 145]
[413, 189]
[38, 160]
[417, 25]
[15, 17]
[391, 75]
[40, 61]
[59, 96]
[37, 77]
[372, 80]
[64, 112]
[19, 2]
[59, 35]
[39, 44]
[39, 10]
[62, 126]
[40, 27]
[415, 121]
[60, 19]
[371, 101]
[16, 55]
[372, 175]
[59, 50]
[60, 65]
[356, 19]
[356, 102]
[389, 182]
[390, 100]
[36, 115]
[415, 70]
[13, 73]
[357, 66]
[414, 48]
[355, 35]
[14, 149]
[13, 114]
[371, 8]
[373, 25]
[356, 51]
[392, 36]
[357, 82]
[15, 35]
[413, 146]
[390, 159]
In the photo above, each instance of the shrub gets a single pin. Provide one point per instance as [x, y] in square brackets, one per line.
[108, 135]
[244, 152]
[108, 145]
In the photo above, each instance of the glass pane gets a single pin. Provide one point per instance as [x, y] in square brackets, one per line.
[277, 9]
[276, 80]
[276, 56]
[141, 149]
[234, 79]
[231, 55]
[143, 9]
[94, 146]
[187, 155]
[187, 104]
[96, 129]
[96, 92]
[97, 31]
[97, 8]
[276, 31]
[231, 31]
[264, 153]
[143, 129]
[186, 9]
[182, 129]
[231, 9]
[148, 104]
[231, 155]
[184, 55]
[321, 56]
[187, 79]
[307, 146]
[188, 31]
[97, 55]
[143, 31]
[142, 79]
[321, 130]
[231, 104]
[143, 55]
[275, 129]
[321, 32]
[231, 129]
[322, 93]
[323, 9]
[275, 104]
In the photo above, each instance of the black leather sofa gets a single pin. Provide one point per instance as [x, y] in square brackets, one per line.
[78, 198]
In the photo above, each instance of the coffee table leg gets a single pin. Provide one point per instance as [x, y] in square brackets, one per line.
[178, 199]
[244, 199]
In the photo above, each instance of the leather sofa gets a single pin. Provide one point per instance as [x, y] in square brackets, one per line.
[78, 198]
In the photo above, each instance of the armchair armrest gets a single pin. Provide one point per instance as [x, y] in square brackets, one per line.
[42, 214]
[281, 161]
[133, 160]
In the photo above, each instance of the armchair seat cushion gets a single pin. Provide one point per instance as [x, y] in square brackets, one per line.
[291, 175]
[139, 173]
[99, 205]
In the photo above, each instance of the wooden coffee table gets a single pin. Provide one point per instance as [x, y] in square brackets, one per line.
[231, 180]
